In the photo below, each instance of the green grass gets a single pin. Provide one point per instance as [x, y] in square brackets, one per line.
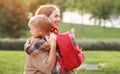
[110, 58]
[12, 62]
[94, 32]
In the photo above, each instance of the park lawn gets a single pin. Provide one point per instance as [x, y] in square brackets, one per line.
[12, 62]
[109, 58]
[87, 31]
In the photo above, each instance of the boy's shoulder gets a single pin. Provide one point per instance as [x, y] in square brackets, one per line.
[33, 40]
[33, 44]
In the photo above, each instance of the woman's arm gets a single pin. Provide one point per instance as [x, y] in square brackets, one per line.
[52, 54]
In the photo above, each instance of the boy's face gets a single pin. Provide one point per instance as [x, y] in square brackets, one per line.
[36, 32]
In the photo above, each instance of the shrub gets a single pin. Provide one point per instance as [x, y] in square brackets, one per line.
[100, 45]
[18, 44]
[12, 44]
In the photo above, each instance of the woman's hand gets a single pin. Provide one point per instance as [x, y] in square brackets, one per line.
[52, 39]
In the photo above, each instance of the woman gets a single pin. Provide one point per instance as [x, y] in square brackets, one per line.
[53, 12]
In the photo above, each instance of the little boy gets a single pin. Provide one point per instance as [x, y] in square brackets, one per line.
[43, 62]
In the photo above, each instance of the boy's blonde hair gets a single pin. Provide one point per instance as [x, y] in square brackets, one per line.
[46, 10]
[41, 22]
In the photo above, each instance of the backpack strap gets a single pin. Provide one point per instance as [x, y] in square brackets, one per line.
[64, 70]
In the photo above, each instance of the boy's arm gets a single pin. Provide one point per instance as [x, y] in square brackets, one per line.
[34, 45]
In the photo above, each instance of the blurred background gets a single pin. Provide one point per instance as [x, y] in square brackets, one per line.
[94, 19]
[96, 24]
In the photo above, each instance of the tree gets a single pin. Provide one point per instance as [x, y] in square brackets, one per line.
[62, 4]
[117, 7]
[13, 18]
[101, 10]
[34, 4]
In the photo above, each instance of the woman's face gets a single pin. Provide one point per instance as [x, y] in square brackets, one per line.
[55, 18]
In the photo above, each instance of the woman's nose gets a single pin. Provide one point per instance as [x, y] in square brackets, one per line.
[58, 19]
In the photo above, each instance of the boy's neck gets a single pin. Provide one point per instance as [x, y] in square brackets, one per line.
[39, 37]
[48, 34]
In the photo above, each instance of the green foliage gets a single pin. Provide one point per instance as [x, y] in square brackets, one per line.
[36, 3]
[91, 44]
[80, 5]
[62, 4]
[117, 5]
[12, 44]
[101, 9]
[13, 18]
[104, 44]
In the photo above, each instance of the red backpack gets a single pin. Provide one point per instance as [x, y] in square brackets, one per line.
[72, 56]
